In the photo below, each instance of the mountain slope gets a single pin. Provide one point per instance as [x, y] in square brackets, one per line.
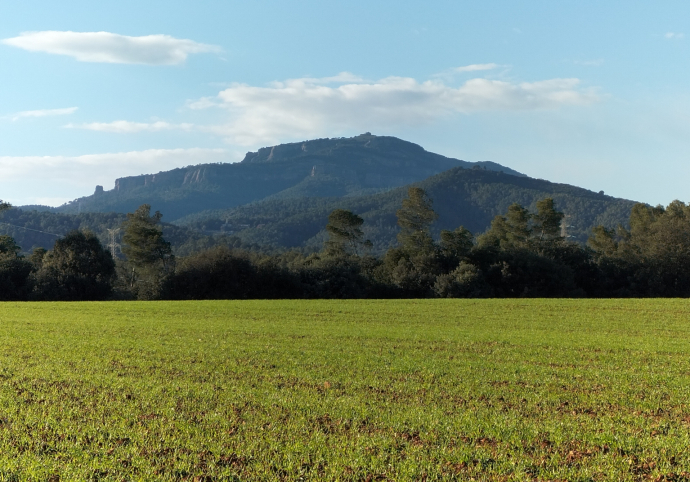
[468, 197]
[324, 167]
[32, 229]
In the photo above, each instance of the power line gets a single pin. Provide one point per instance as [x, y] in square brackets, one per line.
[35, 230]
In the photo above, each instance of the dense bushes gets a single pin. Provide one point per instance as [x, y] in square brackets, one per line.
[78, 268]
[220, 273]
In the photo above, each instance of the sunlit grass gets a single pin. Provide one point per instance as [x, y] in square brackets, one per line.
[347, 390]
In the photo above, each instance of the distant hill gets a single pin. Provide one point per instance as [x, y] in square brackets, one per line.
[340, 167]
[280, 197]
[469, 197]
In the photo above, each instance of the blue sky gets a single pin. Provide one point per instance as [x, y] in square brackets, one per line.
[595, 94]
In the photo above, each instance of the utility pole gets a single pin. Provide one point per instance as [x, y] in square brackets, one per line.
[113, 245]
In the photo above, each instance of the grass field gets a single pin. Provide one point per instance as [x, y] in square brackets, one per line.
[346, 390]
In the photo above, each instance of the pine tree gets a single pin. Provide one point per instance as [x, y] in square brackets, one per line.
[143, 242]
[415, 219]
[345, 233]
[547, 221]
[518, 222]
[509, 231]
[149, 255]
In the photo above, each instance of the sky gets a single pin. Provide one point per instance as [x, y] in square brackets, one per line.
[590, 93]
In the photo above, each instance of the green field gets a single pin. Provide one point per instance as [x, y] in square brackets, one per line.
[346, 390]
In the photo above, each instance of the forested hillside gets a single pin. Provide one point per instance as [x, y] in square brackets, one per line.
[34, 229]
[467, 197]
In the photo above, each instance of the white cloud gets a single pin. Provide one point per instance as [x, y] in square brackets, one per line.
[30, 179]
[674, 35]
[110, 47]
[127, 127]
[309, 107]
[476, 67]
[43, 113]
[346, 103]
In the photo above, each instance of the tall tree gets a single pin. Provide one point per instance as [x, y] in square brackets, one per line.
[415, 218]
[148, 254]
[143, 242]
[603, 241]
[457, 243]
[660, 242]
[9, 249]
[509, 231]
[547, 221]
[413, 265]
[77, 268]
[518, 222]
[345, 233]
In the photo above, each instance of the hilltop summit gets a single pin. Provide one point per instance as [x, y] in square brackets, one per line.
[358, 165]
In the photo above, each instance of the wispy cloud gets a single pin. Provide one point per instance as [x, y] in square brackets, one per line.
[309, 107]
[674, 35]
[476, 67]
[203, 103]
[42, 113]
[590, 63]
[110, 47]
[56, 175]
[327, 106]
[127, 127]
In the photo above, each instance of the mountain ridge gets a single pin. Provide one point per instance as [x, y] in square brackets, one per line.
[358, 165]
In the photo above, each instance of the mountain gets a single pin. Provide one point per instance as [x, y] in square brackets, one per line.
[280, 197]
[468, 197]
[339, 167]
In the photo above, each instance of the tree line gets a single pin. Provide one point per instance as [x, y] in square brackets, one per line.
[521, 254]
